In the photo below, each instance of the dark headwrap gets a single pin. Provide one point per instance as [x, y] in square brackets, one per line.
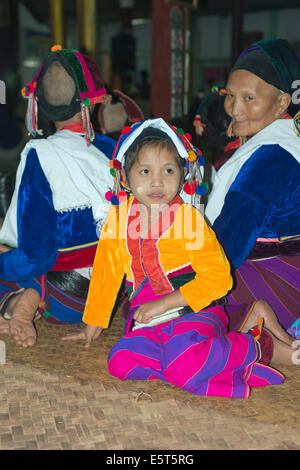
[89, 90]
[272, 60]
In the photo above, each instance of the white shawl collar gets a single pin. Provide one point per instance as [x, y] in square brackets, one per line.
[78, 177]
[279, 132]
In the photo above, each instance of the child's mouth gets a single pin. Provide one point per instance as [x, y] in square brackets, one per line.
[156, 195]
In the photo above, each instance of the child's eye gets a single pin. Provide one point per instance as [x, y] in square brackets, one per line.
[169, 171]
[144, 171]
[249, 98]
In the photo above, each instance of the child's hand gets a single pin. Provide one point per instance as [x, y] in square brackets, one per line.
[148, 310]
[88, 333]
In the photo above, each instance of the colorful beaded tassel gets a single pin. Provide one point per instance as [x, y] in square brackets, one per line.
[89, 133]
[32, 116]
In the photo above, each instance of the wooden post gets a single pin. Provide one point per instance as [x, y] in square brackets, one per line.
[87, 35]
[57, 22]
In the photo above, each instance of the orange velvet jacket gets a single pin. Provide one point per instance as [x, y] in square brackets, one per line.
[180, 252]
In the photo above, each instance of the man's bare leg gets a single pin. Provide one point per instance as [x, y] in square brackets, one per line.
[262, 309]
[21, 324]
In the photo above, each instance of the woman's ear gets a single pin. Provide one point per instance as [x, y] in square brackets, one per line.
[284, 101]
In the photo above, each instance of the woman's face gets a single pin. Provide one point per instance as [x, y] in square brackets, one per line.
[252, 103]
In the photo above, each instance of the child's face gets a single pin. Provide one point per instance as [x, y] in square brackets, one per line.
[155, 176]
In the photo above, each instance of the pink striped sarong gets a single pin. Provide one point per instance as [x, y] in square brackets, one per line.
[195, 352]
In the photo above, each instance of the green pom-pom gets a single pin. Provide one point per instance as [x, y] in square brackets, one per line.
[47, 314]
[86, 101]
[112, 172]
[180, 131]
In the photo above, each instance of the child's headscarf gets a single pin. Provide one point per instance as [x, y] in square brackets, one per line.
[158, 129]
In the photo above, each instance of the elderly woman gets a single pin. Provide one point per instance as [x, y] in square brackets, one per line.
[254, 205]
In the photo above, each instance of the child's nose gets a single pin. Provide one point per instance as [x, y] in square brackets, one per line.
[157, 179]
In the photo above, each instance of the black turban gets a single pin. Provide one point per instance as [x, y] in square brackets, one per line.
[272, 60]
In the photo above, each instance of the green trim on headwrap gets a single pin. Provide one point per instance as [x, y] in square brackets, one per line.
[283, 59]
[75, 65]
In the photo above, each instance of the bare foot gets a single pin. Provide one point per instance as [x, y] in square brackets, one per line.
[262, 309]
[21, 324]
[284, 354]
[10, 303]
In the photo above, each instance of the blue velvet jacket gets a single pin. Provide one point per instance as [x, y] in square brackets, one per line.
[262, 202]
[41, 229]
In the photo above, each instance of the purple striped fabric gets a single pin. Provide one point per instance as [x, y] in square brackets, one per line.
[194, 352]
[60, 307]
[275, 280]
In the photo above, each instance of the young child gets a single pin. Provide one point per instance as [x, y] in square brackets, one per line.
[51, 230]
[172, 259]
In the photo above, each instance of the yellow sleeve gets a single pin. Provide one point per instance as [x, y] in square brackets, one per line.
[213, 273]
[107, 275]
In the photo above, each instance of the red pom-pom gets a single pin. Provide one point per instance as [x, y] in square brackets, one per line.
[126, 129]
[188, 136]
[117, 165]
[189, 188]
[255, 332]
[122, 196]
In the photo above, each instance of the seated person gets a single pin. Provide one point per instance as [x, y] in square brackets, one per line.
[176, 273]
[50, 232]
[254, 205]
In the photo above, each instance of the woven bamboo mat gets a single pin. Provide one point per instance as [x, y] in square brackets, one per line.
[43, 411]
[60, 395]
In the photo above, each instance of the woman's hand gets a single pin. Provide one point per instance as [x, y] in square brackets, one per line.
[89, 333]
[148, 310]
[4, 248]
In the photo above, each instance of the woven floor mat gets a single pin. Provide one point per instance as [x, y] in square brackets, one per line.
[43, 411]
[274, 405]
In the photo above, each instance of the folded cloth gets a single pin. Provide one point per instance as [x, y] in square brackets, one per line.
[266, 347]
[294, 329]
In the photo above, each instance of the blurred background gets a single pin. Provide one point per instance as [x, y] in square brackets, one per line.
[164, 54]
